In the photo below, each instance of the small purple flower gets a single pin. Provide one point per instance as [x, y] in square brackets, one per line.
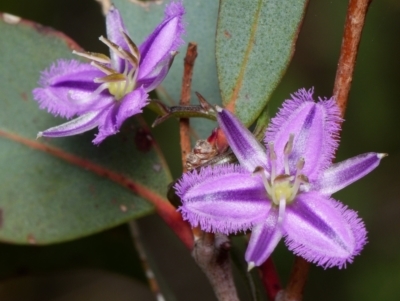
[107, 91]
[283, 191]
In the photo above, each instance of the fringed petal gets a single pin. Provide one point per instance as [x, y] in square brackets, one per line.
[323, 231]
[248, 151]
[342, 174]
[108, 126]
[154, 79]
[225, 199]
[315, 127]
[76, 126]
[115, 25]
[131, 104]
[166, 38]
[264, 238]
[67, 89]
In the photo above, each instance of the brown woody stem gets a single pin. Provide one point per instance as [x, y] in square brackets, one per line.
[184, 125]
[211, 253]
[297, 281]
[355, 19]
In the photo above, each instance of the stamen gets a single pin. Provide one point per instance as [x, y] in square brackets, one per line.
[130, 81]
[112, 46]
[282, 178]
[112, 78]
[94, 56]
[289, 145]
[103, 68]
[119, 51]
[300, 164]
[260, 170]
[287, 150]
[296, 185]
[272, 156]
[132, 46]
[129, 57]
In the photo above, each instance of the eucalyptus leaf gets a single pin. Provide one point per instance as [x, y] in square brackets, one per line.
[201, 17]
[53, 190]
[117, 255]
[255, 42]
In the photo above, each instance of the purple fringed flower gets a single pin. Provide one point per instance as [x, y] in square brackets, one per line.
[283, 191]
[105, 92]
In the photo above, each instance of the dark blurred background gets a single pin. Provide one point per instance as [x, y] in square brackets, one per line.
[106, 267]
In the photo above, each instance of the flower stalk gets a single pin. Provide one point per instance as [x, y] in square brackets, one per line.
[211, 253]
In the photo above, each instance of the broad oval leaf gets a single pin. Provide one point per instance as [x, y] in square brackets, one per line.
[255, 42]
[53, 190]
[141, 17]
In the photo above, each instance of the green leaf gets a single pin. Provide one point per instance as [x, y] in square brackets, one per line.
[117, 255]
[77, 285]
[255, 42]
[201, 20]
[53, 190]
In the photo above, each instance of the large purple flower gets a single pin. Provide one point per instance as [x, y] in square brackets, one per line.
[283, 191]
[105, 92]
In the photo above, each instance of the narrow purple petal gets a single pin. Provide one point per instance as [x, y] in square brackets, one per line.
[67, 89]
[225, 199]
[154, 79]
[108, 126]
[76, 126]
[248, 151]
[115, 25]
[166, 38]
[315, 127]
[264, 238]
[323, 231]
[131, 104]
[342, 174]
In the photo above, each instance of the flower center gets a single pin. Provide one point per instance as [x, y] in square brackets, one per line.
[118, 84]
[283, 187]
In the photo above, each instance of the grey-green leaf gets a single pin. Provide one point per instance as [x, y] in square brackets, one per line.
[255, 42]
[201, 21]
[53, 190]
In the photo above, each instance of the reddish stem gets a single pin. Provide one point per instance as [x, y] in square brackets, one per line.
[355, 19]
[270, 278]
[184, 125]
[297, 280]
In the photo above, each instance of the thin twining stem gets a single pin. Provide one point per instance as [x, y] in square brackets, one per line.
[184, 125]
[154, 287]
